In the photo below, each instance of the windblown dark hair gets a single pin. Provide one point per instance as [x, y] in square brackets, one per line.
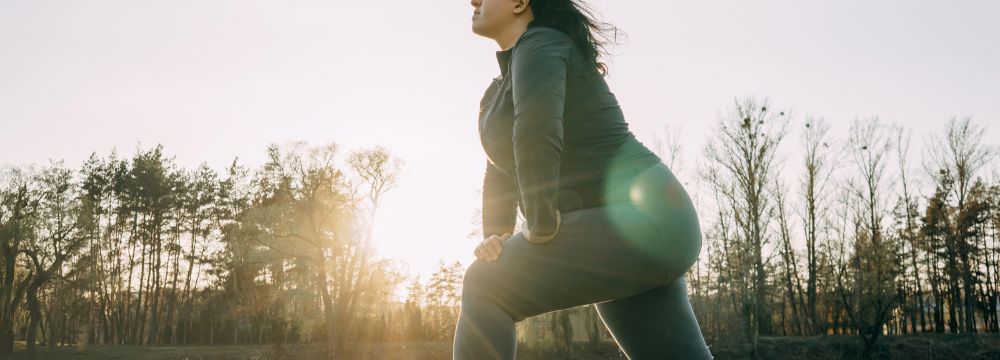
[576, 19]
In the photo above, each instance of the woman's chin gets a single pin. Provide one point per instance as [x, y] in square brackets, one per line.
[477, 29]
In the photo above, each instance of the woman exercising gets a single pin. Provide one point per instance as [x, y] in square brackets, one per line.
[605, 222]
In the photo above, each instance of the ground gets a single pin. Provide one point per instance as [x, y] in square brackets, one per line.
[934, 347]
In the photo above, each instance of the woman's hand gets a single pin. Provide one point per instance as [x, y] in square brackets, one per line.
[489, 249]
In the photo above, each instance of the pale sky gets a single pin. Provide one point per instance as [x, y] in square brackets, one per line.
[212, 80]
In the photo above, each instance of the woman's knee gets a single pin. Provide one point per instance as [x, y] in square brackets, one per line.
[485, 282]
[472, 277]
[478, 278]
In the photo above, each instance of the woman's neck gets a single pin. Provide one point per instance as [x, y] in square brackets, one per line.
[509, 38]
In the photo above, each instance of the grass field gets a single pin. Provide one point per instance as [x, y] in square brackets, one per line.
[934, 347]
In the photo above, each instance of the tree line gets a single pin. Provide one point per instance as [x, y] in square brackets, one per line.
[851, 235]
[805, 234]
[141, 251]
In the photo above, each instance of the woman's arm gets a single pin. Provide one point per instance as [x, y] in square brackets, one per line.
[539, 67]
[499, 202]
[528, 234]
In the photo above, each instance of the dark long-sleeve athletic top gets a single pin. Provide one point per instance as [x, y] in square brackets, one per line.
[554, 135]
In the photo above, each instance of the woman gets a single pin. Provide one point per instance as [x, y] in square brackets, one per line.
[605, 221]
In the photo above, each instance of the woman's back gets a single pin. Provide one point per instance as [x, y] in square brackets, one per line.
[596, 150]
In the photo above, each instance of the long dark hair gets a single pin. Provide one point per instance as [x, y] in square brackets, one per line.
[576, 19]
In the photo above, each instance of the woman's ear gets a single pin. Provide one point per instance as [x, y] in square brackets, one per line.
[520, 6]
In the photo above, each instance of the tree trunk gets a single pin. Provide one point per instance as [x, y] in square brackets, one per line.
[328, 310]
[35, 317]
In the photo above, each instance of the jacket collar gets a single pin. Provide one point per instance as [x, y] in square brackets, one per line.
[503, 59]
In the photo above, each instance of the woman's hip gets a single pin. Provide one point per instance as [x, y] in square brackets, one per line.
[656, 195]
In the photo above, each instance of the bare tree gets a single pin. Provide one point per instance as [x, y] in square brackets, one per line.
[818, 159]
[743, 147]
[871, 295]
[909, 232]
[954, 161]
[304, 213]
[789, 263]
[380, 171]
[18, 208]
[59, 236]
[669, 146]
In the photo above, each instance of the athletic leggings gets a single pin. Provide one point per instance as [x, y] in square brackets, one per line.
[628, 258]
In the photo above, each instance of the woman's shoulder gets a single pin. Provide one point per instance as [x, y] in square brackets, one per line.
[542, 42]
[539, 35]
[545, 32]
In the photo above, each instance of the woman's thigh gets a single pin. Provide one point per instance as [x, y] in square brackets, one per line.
[599, 254]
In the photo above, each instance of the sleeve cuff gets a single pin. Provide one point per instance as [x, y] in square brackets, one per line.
[539, 239]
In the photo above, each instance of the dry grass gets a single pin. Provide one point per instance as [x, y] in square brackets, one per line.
[924, 347]
[929, 347]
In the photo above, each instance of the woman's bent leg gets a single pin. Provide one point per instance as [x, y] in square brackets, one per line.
[484, 331]
[656, 324]
[599, 254]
